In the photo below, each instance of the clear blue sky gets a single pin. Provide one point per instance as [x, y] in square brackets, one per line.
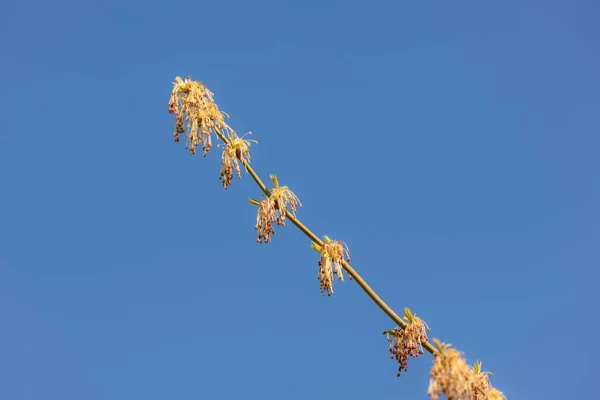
[453, 146]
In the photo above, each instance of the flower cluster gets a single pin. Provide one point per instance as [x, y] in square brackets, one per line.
[265, 216]
[332, 253]
[482, 389]
[273, 209]
[284, 198]
[407, 342]
[196, 114]
[236, 149]
[450, 375]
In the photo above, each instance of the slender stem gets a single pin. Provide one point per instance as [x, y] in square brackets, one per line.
[351, 271]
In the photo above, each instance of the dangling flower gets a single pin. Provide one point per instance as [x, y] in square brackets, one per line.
[482, 387]
[273, 208]
[407, 341]
[332, 255]
[450, 375]
[235, 150]
[265, 216]
[285, 200]
[196, 114]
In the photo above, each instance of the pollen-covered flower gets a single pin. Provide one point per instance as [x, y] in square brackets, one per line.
[273, 208]
[482, 387]
[237, 149]
[450, 375]
[407, 342]
[285, 199]
[265, 217]
[332, 253]
[196, 114]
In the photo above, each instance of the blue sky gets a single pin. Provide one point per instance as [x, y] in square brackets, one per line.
[452, 145]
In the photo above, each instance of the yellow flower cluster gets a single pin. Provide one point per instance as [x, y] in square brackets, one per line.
[196, 114]
[332, 253]
[273, 209]
[452, 377]
[483, 389]
[236, 149]
[407, 342]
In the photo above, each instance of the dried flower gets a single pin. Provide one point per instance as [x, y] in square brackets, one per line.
[235, 150]
[332, 254]
[196, 114]
[450, 375]
[482, 387]
[407, 341]
[273, 210]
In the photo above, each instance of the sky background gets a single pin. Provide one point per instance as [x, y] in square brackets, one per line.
[452, 145]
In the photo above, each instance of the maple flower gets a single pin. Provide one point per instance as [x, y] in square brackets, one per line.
[284, 199]
[273, 208]
[482, 387]
[265, 217]
[450, 375]
[196, 114]
[332, 253]
[236, 149]
[407, 342]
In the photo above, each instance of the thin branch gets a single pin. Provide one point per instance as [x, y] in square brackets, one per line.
[351, 271]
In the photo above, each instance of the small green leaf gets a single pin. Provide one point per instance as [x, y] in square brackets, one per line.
[408, 314]
[316, 247]
[274, 180]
